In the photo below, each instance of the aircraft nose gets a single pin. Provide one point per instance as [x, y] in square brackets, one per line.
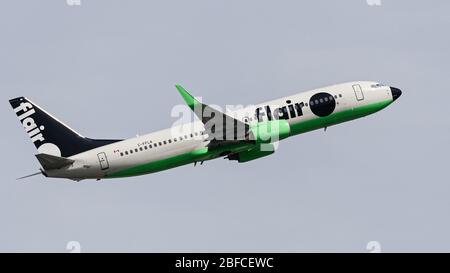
[396, 93]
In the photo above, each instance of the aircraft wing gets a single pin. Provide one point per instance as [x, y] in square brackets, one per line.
[221, 128]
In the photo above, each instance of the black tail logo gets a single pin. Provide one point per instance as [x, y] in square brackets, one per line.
[49, 135]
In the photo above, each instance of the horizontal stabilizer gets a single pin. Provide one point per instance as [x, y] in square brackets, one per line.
[51, 162]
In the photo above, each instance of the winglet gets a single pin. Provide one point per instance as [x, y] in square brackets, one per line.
[188, 98]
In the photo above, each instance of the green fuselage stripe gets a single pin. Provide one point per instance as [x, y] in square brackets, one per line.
[204, 154]
[339, 117]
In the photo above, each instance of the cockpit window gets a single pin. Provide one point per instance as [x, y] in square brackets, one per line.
[378, 85]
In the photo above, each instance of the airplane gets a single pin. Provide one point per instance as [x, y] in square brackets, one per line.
[241, 135]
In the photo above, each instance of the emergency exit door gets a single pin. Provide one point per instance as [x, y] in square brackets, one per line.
[358, 92]
[103, 161]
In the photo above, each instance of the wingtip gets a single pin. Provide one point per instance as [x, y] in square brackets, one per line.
[180, 88]
[188, 98]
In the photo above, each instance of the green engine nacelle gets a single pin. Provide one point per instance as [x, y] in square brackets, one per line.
[270, 131]
[255, 153]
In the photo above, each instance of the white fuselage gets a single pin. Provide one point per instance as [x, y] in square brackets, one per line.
[100, 162]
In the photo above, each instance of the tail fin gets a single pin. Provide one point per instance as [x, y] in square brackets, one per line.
[49, 135]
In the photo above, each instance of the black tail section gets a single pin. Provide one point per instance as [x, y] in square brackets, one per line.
[49, 135]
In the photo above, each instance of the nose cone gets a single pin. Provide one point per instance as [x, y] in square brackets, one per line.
[396, 93]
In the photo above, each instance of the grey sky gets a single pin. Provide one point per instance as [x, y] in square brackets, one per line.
[108, 69]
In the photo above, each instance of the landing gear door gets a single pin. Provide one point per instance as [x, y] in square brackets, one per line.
[103, 161]
[358, 92]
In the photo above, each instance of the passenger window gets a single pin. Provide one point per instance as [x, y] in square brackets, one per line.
[196, 134]
[192, 135]
[181, 138]
[340, 95]
[174, 140]
[136, 150]
[164, 142]
[121, 154]
[131, 151]
[185, 136]
[145, 147]
[141, 149]
[316, 102]
[321, 100]
[170, 141]
[159, 143]
[126, 152]
[150, 146]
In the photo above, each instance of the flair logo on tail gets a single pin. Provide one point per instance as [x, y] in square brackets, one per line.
[24, 112]
[48, 134]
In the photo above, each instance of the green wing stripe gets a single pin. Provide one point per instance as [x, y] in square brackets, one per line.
[188, 98]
